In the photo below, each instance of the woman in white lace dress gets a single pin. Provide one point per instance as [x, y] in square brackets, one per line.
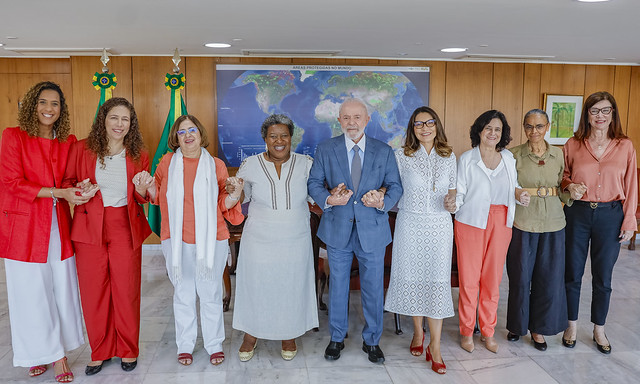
[420, 283]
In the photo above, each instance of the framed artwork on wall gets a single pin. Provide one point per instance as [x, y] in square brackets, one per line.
[564, 115]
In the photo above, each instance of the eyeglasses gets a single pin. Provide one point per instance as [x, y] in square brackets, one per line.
[429, 123]
[191, 130]
[538, 127]
[605, 110]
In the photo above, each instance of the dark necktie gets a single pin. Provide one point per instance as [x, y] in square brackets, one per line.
[356, 168]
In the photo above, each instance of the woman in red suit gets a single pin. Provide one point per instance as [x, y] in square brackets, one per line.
[42, 287]
[108, 231]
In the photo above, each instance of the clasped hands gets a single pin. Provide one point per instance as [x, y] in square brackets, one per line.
[144, 182]
[340, 195]
[234, 186]
[577, 190]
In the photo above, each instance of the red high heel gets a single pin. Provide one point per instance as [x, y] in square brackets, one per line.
[439, 368]
[417, 351]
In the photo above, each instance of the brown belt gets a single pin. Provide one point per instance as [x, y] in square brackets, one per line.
[542, 191]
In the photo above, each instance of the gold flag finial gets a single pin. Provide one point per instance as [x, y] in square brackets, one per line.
[176, 60]
[104, 59]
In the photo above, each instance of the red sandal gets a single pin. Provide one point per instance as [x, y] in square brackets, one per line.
[37, 370]
[217, 358]
[65, 376]
[417, 350]
[185, 356]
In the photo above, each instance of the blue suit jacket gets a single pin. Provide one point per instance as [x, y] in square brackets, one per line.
[330, 168]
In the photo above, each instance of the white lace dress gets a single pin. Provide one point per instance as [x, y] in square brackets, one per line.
[420, 282]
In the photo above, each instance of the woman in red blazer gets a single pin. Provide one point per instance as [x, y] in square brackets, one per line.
[108, 232]
[42, 287]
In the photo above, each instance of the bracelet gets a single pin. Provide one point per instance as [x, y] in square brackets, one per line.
[233, 198]
[55, 200]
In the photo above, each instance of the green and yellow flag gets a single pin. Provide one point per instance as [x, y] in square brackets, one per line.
[174, 83]
[103, 82]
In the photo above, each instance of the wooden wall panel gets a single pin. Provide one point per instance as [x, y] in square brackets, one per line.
[531, 95]
[562, 79]
[24, 65]
[87, 97]
[599, 78]
[468, 94]
[633, 130]
[150, 96]
[508, 86]
[621, 92]
[200, 91]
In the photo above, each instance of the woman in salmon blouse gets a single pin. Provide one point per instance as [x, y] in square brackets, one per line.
[42, 287]
[190, 187]
[600, 173]
[108, 232]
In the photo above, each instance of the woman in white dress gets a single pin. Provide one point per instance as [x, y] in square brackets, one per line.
[420, 284]
[275, 294]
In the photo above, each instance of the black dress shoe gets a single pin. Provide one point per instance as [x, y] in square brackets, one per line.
[333, 350]
[513, 337]
[128, 367]
[374, 352]
[91, 370]
[539, 346]
[606, 349]
[568, 343]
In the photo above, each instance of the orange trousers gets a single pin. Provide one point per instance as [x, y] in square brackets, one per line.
[481, 257]
[109, 279]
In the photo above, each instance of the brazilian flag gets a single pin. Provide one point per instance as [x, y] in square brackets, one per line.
[174, 83]
[103, 82]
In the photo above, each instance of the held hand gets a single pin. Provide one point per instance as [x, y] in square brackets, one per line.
[234, 186]
[143, 181]
[450, 202]
[340, 197]
[625, 236]
[88, 189]
[577, 190]
[339, 190]
[373, 199]
[73, 195]
[525, 198]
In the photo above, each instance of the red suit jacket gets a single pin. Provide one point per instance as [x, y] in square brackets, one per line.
[88, 218]
[26, 165]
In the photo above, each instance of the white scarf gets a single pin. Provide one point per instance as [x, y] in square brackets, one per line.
[205, 204]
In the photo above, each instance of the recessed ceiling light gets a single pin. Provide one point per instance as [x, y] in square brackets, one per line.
[217, 45]
[1, 44]
[236, 39]
[592, 1]
[453, 50]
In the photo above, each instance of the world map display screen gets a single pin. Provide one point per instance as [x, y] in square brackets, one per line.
[311, 96]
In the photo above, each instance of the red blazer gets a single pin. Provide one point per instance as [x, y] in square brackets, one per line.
[88, 218]
[26, 165]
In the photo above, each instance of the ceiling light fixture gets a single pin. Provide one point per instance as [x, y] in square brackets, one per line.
[453, 50]
[217, 45]
[592, 1]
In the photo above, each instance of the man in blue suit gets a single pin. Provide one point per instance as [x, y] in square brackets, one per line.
[355, 180]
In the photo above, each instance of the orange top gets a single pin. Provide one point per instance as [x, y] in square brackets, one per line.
[612, 177]
[233, 215]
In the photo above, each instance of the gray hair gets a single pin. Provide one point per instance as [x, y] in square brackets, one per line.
[273, 120]
[536, 111]
[354, 100]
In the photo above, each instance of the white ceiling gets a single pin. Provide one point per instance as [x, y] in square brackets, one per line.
[564, 30]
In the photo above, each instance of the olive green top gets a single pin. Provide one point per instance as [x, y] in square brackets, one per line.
[544, 214]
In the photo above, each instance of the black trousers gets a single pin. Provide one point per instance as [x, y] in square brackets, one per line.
[599, 226]
[535, 266]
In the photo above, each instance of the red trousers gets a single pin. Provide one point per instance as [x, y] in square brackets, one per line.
[109, 280]
[481, 257]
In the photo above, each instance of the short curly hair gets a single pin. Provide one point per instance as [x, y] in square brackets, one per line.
[274, 120]
[174, 143]
[482, 121]
[28, 115]
[98, 142]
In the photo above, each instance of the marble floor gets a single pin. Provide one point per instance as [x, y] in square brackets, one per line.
[515, 362]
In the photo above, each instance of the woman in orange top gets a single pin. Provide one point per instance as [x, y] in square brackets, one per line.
[108, 232]
[190, 189]
[42, 287]
[600, 173]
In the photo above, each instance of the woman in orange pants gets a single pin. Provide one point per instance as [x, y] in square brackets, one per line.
[486, 198]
